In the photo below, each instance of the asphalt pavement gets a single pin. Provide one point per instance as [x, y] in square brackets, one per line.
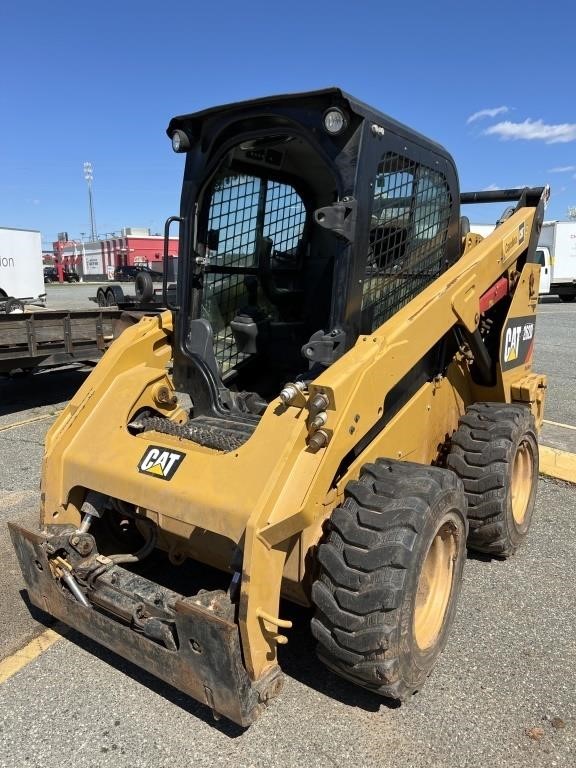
[503, 692]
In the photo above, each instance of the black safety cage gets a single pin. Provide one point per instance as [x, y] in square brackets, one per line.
[397, 231]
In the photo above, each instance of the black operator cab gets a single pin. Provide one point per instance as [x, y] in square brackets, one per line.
[305, 220]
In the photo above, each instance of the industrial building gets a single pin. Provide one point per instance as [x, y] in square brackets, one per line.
[96, 260]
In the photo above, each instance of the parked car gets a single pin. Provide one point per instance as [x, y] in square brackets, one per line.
[128, 273]
[50, 275]
[69, 275]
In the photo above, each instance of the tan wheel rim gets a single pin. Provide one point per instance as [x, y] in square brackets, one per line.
[435, 586]
[522, 477]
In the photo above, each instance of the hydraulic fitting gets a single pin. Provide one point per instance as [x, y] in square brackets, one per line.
[318, 440]
[293, 394]
[319, 403]
[318, 421]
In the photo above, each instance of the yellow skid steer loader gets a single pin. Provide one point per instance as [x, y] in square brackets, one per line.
[337, 400]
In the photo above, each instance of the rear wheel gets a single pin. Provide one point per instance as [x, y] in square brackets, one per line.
[495, 452]
[111, 299]
[390, 573]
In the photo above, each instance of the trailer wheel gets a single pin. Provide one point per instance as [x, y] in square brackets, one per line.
[101, 298]
[495, 452]
[568, 298]
[14, 307]
[143, 287]
[390, 570]
[111, 299]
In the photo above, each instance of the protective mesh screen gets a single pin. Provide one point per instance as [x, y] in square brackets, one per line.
[243, 210]
[409, 228]
[284, 217]
[233, 214]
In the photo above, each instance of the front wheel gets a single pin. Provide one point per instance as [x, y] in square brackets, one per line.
[390, 570]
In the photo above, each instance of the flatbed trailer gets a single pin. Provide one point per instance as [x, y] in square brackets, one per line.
[45, 338]
[114, 295]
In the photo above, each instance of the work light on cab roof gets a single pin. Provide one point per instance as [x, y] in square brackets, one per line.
[335, 121]
[180, 141]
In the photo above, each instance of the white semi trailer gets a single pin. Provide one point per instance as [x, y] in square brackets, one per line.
[21, 270]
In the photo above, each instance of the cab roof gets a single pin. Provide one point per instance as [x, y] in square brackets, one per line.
[321, 99]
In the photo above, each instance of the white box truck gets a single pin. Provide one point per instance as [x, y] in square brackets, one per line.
[558, 241]
[556, 255]
[21, 270]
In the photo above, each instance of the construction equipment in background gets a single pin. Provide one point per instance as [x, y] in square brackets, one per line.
[338, 400]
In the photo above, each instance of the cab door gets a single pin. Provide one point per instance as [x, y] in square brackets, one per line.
[543, 258]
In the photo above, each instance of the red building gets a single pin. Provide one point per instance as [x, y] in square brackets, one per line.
[96, 260]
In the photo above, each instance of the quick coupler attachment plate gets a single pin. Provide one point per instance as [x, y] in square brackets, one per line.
[193, 643]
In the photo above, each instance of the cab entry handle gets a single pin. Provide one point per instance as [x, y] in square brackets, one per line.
[167, 303]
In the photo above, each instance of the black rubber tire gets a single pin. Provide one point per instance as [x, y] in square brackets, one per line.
[483, 452]
[143, 286]
[369, 566]
[101, 298]
[13, 307]
[567, 298]
[111, 299]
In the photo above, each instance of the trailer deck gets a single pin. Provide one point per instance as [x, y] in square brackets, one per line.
[46, 337]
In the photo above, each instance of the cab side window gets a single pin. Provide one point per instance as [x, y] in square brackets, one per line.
[408, 232]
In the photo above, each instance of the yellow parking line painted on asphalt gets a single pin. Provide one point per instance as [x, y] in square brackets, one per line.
[559, 424]
[5, 427]
[24, 656]
[556, 463]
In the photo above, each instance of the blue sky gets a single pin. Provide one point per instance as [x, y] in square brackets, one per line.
[493, 82]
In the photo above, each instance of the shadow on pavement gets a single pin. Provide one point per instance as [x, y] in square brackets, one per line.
[297, 660]
[20, 392]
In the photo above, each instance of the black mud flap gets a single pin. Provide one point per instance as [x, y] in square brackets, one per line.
[204, 658]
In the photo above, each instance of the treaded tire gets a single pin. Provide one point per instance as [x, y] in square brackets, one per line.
[14, 307]
[369, 572]
[143, 286]
[484, 453]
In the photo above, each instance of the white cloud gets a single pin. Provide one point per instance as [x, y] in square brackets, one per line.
[487, 113]
[491, 188]
[563, 169]
[531, 130]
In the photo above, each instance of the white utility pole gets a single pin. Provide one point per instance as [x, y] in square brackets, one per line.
[89, 176]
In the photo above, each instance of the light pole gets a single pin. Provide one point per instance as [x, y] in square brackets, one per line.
[89, 176]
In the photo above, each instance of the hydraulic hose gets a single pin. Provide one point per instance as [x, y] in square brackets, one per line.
[144, 551]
